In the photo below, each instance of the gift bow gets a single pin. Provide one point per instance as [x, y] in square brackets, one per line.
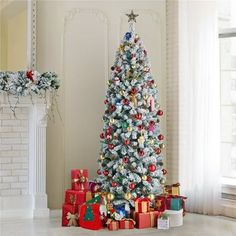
[72, 218]
[80, 178]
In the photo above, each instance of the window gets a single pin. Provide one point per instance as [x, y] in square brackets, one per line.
[227, 41]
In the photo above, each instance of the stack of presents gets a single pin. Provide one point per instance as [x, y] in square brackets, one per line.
[85, 206]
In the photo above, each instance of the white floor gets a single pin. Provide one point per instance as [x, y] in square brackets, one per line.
[194, 225]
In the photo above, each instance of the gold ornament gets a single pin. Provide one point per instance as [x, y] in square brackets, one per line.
[141, 140]
[145, 97]
[155, 85]
[128, 196]
[162, 181]
[144, 177]
[112, 121]
[121, 167]
[151, 196]
[102, 157]
[108, 82]
[134, 99]
[122, 93]
[158, 105]
[110, 196]
[151, 141]
[129, 129]
[121, 48]
[162, 145]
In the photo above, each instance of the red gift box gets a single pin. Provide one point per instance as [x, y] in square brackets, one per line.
[69, 215]
[142, 205]
[89, 216]
[160, 203]
[112, 224]
[79, 179]
[127, 224]
[146, 220]
[75, 197]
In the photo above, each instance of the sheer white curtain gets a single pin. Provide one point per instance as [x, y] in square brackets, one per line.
[199, 103]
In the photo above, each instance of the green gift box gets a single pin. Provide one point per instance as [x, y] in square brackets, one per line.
[175, 204]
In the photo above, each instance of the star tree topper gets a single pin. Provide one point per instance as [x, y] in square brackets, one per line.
[132, 16]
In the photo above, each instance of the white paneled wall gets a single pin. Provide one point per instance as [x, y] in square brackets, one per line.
[78, 40]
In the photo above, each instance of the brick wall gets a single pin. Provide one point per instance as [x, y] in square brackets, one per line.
[14, 161]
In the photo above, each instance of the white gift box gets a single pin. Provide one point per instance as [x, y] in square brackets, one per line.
[163, 223]
[176, 217]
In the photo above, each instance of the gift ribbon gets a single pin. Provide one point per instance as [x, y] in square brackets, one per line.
[72, 218]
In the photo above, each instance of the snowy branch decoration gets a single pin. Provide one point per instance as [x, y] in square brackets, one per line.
[28, 83]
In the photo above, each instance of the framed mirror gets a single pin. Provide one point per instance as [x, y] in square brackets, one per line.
[17, 35]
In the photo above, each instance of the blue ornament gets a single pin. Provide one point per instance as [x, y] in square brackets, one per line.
[128, 35]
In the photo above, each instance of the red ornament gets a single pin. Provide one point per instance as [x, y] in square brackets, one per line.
[141, 153]
[126, 160]
[106, 172]
[140, 127]
[152, 123]
[102, 136]
[118, 69]
[151, 167]
[105, 101]
[164, 171]
[126, 102]
[138, 116]
[160, 137]
[109, 131]
[29, 75]
[112, 108]
[110, 146]
[133, 91]
[158, 151]
[126, 142]
[149, 179]
[114, 184]
[159, 112]
[132, 186]
[99, 172]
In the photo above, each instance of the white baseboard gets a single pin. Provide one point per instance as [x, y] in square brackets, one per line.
[56, 213]
[20, 207]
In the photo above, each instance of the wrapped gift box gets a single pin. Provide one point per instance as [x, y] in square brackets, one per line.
[173, 189]
[69, 215]
[142, 205]
[175, 203]
[176, 217]
[89, 216]
[79, 179]
[163, 222]
[127, 224]
[146, 220]
[112, 224]
[77, 197]
[160, 203]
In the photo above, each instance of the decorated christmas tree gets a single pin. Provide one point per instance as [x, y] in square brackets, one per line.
[131, 161]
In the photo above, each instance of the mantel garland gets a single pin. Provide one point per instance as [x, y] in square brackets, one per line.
[28, 83]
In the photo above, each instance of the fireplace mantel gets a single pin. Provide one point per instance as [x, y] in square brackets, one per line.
[33, 201]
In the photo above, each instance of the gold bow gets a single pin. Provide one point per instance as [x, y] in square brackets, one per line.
[72, 218]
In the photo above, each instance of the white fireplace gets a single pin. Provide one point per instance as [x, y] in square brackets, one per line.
[23, 158]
